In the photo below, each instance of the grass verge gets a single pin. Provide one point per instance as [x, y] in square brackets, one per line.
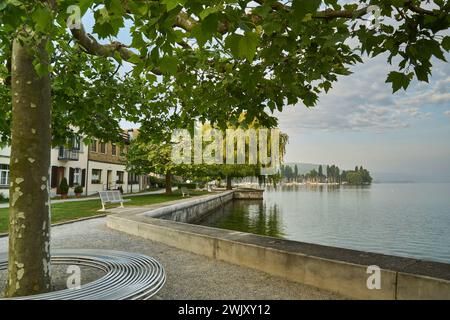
[66, 211]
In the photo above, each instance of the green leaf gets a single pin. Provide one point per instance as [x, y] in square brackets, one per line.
[168, 65]
[85, 5]
[116, 7]
[154, 55]
[116, 24]
[209, 10]
[399, 80]
[16, 3]
[41, 69]
[134, 59]
[422, 73]
[247, 45]
[232, 42]
[150, 77]
[436, 50]
[118, 57]
[138, 41]
[138, 8]
[303, 7]
[446, 43]
[171, 4]
[209, 24]
[103, 30]
[309, 99]
[42, 17]
[326, 86]
[199, 35]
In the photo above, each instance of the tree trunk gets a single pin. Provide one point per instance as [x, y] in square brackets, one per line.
[29, 213]
[229, 187]
[168, 183]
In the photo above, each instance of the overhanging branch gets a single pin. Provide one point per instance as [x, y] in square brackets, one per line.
[92, 46]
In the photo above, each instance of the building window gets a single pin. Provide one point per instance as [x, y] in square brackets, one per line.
[94, 146]
[77, 176]
[76, 143]
[96, 176]
[4, 174]
[102, 147]
[114, 149]
[120, 175]
[132, 178]
[123, 151]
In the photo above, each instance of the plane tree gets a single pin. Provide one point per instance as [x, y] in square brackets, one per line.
[215, 59]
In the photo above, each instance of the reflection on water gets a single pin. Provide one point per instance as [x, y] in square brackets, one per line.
[399, 219]
[248, 216]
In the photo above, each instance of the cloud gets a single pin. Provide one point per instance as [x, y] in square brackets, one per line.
[364, 102]
[447, 113]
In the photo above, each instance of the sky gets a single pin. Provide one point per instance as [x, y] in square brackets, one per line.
[401, 136]
[398, 137]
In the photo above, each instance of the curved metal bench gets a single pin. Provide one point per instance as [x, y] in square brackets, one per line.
[127, 275]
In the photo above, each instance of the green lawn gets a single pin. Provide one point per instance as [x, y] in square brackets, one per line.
[58, 197]
[81, 209]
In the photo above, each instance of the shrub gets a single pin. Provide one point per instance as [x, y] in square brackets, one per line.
[78, 189]
[201, 185]
[63, 187]
[154, 181]
[187, 185]
[3, 198]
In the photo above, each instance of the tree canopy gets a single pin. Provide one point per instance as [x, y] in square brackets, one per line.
[213, 59]
[148, 154]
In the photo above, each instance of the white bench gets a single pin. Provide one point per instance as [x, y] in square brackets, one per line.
[184, 192]
[113, 196]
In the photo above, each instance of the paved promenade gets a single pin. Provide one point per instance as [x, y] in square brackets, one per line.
[189, 276]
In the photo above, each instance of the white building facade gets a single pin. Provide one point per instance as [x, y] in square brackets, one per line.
[4, 172]
[95, 168]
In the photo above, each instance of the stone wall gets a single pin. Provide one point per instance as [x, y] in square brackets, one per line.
[248, 194]
[192, 210]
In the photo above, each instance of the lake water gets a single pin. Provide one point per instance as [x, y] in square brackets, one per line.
[404, 219]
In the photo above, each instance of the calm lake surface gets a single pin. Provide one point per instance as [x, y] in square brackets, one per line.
[403, 219]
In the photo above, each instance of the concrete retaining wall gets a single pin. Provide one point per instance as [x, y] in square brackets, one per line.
[193, 209]
[248, 194]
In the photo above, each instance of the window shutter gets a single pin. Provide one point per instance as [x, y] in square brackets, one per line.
[71, 174]
[83, 177]
[54, 177]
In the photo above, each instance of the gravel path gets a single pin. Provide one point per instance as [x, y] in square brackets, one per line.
[189, 276]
